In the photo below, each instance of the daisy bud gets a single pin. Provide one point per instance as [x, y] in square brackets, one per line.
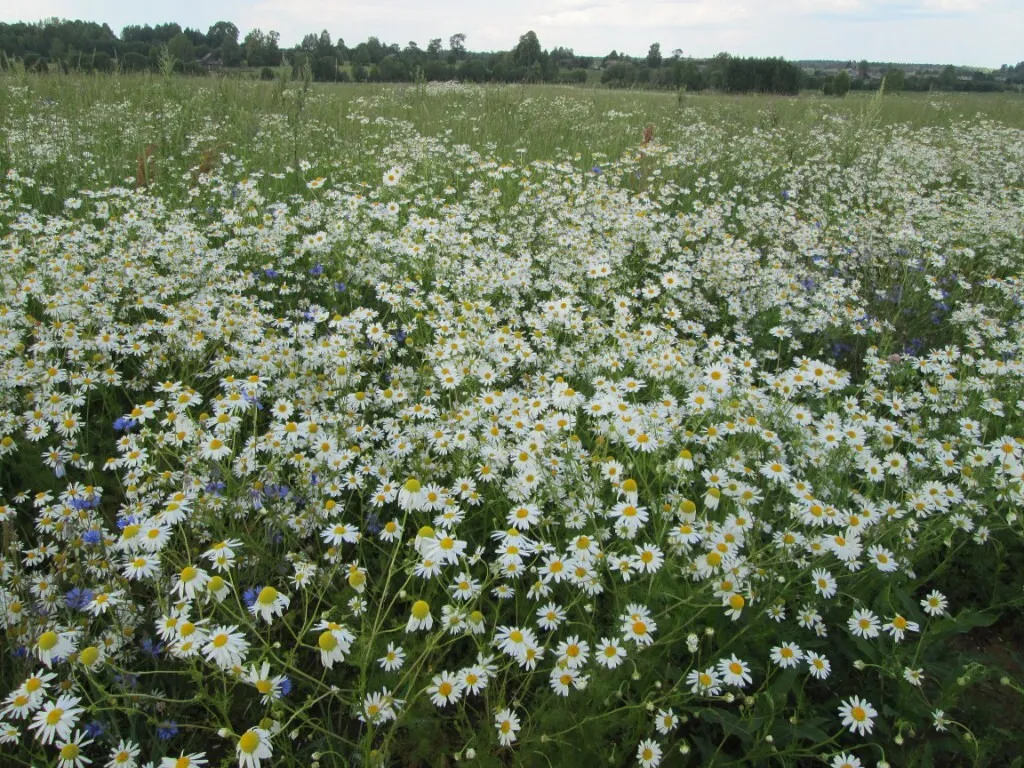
[223, 733]
[709, 632]
[859, 664]
[470, 753]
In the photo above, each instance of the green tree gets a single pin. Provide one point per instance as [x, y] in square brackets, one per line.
[841, 83]
[895, 80]
[654, 56]
[218, 33]
[181, 48]
[527, 51]
[457, 44]
[947, 80]
[863, 69]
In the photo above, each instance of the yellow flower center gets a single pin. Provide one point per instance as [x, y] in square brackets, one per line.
[327, 641]
[249, 742]
[48, 641]
[420, 609]
[70, 752]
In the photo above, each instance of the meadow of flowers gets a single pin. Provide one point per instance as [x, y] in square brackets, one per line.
[508, 427]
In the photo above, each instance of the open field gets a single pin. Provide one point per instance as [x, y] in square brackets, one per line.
[508, 426]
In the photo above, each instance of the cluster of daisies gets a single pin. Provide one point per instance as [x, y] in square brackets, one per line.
[486, 448]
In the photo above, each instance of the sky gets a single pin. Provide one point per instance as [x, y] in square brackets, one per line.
[984, 33]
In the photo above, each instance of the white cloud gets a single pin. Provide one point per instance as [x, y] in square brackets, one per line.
[615, 13]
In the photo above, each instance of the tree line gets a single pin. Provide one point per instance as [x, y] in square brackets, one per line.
[61, 46]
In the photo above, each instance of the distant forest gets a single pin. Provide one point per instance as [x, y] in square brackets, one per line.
[54, 46]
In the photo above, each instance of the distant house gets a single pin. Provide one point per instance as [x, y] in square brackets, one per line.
[210, 61]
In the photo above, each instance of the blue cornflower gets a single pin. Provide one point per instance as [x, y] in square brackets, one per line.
[78, 597]
[167, 730]
[286, 686]
[92, 536]
[340, 287]
[127, 680]
[94, 729]
[270, 273]
[152, 648]
[317, 270]
[124, 424]
[126, 521]
[596, 169]
[250, 595]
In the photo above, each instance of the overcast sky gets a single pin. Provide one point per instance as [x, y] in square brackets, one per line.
[975, 32]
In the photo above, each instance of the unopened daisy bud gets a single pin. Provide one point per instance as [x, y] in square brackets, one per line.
[709, 632]
[859, 664]
[769, 738]
[657, 684]
[470, 753]
[729, 698]
[635, 675]
[899, 739]
[684, 748]
[1004, 680]
[315, 756]
[223, 733]
[649, 706]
